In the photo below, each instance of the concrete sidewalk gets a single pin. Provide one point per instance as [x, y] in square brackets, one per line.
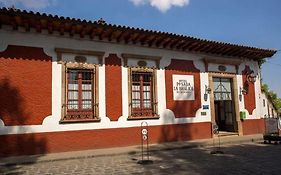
[234, 139]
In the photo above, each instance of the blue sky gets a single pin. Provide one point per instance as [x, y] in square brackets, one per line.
[246, 22]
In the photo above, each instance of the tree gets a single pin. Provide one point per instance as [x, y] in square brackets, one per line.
[273, 96]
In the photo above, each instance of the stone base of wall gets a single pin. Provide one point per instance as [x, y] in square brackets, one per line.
[50, 142]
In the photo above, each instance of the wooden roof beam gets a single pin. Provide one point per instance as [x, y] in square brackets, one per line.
[83, 32]
[234, 50]
[128, 37]
[72, 30]
[116, 34]
[166, 42]
[98, 31]
[147, 39]
[217, 49]
[140, 38]
[226, 50]
[50, 27]
[239, 53]
[26, 25]
[13, 23]
[133, 37]
[92, 32]
[144, 39]
[104, 33]
[203, 48]
[247, 54]
[61, 29]
[110, 35]
[159, 41]
[122, 36]
[194, 46]
[195, 43]
[180, 44]
[151, 40]
[200, 48]
[174, 43]
[38, 27]
[185, 46]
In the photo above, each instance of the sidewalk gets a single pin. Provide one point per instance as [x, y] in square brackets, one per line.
[127, 150]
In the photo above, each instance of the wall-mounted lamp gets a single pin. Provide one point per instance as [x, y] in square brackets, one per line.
[251, 77]
[208, 90]
[242, 92]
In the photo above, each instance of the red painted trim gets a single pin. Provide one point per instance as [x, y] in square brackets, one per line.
[41, 143]
[182, 108]
[254, 126]
[25, 52]
[25, 85]
[113, 84]
[249, 98]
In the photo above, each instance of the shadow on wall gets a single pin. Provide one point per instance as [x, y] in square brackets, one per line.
[184, 131]
[12, 107]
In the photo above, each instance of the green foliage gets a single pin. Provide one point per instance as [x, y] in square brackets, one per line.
[261, 61]
[273, 96]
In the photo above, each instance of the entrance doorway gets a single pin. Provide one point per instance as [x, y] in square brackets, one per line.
[224, 104]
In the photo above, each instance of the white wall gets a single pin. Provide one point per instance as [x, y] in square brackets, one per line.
[267, 107]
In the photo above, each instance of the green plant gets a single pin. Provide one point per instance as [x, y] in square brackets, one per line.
[273, 96]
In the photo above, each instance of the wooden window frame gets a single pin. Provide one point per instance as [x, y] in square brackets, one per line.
[154, 103]
[67, 116]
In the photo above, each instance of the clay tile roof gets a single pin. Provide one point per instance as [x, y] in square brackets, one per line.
[116, 33]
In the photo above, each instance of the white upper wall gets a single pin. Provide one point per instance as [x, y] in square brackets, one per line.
[267, 107]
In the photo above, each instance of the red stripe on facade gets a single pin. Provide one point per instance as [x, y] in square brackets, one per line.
[186, 108]
[25, 85]
[113, 84]
[249, 97]
[41, 143]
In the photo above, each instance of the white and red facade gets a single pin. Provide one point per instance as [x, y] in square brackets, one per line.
[119, 83]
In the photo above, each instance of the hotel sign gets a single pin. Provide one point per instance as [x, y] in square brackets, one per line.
[183, 87]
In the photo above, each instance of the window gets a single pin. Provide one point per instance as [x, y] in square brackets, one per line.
[263, 102]
[80, 95]
[142, 94]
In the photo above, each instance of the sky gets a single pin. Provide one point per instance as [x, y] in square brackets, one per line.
[254, 23]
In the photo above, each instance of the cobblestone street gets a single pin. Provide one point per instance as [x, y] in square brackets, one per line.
[251, 158]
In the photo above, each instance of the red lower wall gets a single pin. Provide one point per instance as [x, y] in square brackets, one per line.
[40, 143]
[255, 126]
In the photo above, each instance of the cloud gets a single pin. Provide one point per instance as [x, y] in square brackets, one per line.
[29, 4]
[162, 5]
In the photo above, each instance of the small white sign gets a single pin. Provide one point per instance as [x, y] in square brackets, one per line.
[183, 87]
[144, 137]
[144, 131]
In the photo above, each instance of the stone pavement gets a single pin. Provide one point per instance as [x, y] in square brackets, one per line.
[238, 158]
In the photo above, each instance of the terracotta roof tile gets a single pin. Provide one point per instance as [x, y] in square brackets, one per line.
[118, 33]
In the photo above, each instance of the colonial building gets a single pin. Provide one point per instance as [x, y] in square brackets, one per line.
[70, 84]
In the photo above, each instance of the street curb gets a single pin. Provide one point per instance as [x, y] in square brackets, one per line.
[131, 150]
